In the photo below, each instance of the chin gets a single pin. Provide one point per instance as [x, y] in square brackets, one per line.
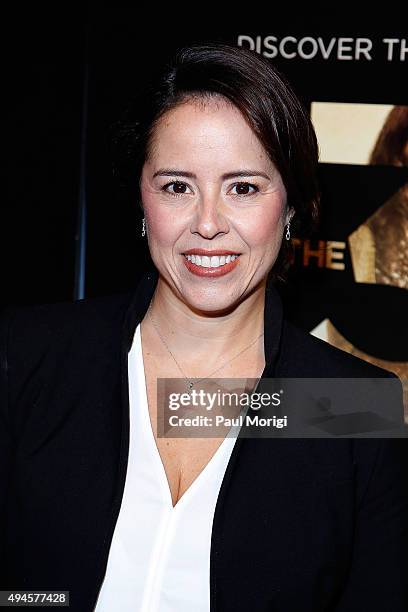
[209, 303]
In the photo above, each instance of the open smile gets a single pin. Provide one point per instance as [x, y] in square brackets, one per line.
[213, 265]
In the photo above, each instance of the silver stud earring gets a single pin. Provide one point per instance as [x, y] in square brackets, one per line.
[287, 235]
[144, 227]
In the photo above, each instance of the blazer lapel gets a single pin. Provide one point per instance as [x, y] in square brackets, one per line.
[138, 306]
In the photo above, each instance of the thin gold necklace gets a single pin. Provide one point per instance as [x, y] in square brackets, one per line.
[190, 383]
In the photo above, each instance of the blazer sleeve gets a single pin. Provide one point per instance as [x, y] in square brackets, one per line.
[378, 578]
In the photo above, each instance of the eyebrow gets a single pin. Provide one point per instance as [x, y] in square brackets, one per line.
[228, 175]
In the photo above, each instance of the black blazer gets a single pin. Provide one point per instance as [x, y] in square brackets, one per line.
[301, 525]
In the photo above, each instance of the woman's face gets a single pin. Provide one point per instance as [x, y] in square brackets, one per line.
[209, 184]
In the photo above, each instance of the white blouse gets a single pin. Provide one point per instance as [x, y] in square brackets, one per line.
[159, 559]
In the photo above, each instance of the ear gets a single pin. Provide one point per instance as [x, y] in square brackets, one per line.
[289, 214]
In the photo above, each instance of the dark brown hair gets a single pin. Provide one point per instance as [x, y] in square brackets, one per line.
[265, 100]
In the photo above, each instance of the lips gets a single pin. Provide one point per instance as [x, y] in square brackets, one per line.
[210, 253]
[210, 271]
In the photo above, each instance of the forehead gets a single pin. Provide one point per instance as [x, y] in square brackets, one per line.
[207, 129]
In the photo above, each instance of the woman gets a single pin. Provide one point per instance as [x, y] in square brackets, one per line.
[95, 501]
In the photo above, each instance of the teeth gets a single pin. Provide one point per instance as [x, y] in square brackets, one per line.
[211, 262]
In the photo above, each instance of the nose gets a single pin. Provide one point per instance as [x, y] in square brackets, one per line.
[210, 219]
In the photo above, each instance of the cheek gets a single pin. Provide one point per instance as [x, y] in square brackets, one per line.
[163, 224]
[264, 226]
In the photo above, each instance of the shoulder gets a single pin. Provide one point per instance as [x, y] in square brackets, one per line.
[302, 354]
[35, 340]
[34, 327]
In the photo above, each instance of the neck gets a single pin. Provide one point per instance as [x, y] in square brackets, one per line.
[192, 332]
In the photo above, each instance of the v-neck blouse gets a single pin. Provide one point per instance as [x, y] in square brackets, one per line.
[159, 559]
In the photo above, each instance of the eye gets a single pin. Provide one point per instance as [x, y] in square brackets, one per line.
[178, 188]
[243, 189]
